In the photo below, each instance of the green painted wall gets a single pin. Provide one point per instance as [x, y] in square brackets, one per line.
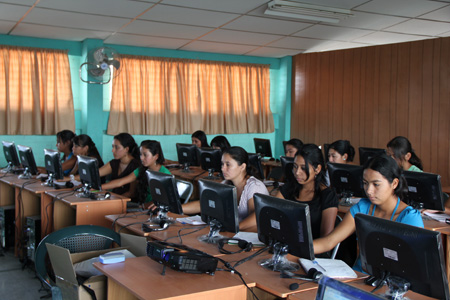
[92, 101]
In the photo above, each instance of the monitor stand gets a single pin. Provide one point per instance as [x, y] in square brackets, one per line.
[278, 262]
[211, 175]
[49, 181]
[186, 168]
[86, 193]
[346, 199]
[397, 288]
[213, 236]
[26, 174]
[162, 217]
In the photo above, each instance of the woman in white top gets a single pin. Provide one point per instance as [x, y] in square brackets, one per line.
[238, 172]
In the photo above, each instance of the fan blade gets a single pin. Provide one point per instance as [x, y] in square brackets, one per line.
[114, 63]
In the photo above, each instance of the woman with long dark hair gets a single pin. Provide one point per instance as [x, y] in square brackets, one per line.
[84, 145]
[401, 150]
[64, 145]
[199, 139]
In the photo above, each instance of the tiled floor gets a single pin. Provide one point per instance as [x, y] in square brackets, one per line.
[18, 283]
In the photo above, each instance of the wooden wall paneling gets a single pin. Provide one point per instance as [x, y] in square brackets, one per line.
[384, 103]
[336, 101]
[356, 117]
[435, 105]
[347, 89]
[298, 89]
[401, 127]
[393, 91]
[367, 125]
[376, 94]
[317, 122]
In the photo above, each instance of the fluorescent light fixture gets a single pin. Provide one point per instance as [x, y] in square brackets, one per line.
[304, 11]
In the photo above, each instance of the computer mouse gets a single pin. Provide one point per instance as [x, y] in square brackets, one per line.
[107, 195]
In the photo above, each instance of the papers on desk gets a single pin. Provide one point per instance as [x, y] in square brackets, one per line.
[438, 216]
[251, 237]
[334, 268]
[193, 220]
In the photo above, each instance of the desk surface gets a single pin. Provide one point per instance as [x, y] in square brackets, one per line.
[71, 198]
[141, 276]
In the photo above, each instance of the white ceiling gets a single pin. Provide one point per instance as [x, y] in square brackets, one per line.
[224, 26]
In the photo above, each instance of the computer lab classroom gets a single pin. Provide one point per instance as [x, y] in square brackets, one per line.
[147, 79]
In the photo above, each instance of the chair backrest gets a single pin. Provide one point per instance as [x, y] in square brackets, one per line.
[79, 238]
[336, 248]
[185, 189]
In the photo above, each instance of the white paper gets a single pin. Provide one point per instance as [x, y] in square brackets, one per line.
[439, 216]
[193, 220]
[334, 268]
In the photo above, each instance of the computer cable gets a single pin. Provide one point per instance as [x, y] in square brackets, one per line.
[125, 215]
[250, 257]
[179, 235]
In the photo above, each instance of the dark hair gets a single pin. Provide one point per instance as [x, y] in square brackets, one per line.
[83, 140]
[296, 143]
[221, 142]
[202, 137]
[343, 147]
[313, 156]
[389, 169]
[241, 156]
[155, 148]
[127, 140]
[65, 136]
[401, 146]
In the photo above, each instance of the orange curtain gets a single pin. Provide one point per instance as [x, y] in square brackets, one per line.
[158, 96]
[35, 91]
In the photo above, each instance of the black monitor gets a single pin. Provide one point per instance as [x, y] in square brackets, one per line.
[330, 288]
[366, 154]
[286, 226]
[53, 166]
[89, 176]
[210, 160]
[218, 205]
[262, 147]
[412, 253]
[28, 162]
[424, 190]
[254, 159]
[187, 155]
[346, 180]
[9, 148]
[287, 164]
[326, 149]
[164, 192]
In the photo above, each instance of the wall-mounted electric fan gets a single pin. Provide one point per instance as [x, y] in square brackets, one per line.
[102, 65]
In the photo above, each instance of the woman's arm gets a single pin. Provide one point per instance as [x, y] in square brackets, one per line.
[279, 195]
[328, 220]
[191, 208]
[340, 233]
[69, 163]
[105, 170]
[249, 223]
[119, 182]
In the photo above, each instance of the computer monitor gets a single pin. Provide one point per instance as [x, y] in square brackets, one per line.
[287, 164]
[254, 159]
[330, 288]
[286, 226]
[424, 190]
[346, 180]
[187, 155]
[9, 148]
[414, 254]
[218, 205]
[211, 161]
[164, 192]
[89, 176]
[28, 162]
[262, 147]
[366, 154]
[53, 166]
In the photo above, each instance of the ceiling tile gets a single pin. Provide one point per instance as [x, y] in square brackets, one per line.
[165, 30]
[181, 15]
[6, 26]
[364, 20]
[218, 47]
[232, 6]
[52, 32]
[273, 52]
[10, 12]
[324, 32]
[299, 43]
[266, 25]
[145, 41]
[379, 38]
[423, 27]
[401, 8]
[442, 14]
[119, 8]
[58, 18]
[239, 37]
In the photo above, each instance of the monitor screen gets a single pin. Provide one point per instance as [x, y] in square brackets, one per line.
[424, 190]
[28, 162]
[89, 175]
[187, 154]
[163, 188]
[346, 179]
[255, 160]
[9, 148]
[286, 226]
[409, 252]
[218, 205]
[330, 288]
[210, 159]
[262, 147]
[53, 166]
[366, 153]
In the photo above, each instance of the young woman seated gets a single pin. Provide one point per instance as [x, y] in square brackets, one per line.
[307, 185]
[341, 152]
[385, 187]
[199, 139]
[64, 145]
[292, 146]
[220, 142]
[83, 145]
[401, 150]
[238, 172]
[152, 158]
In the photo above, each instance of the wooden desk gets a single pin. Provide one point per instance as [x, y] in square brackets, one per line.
[71, 210]
[7, 192]
[140, 278]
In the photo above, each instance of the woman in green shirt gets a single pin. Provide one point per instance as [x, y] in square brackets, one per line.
[400, 149]
[152, 158]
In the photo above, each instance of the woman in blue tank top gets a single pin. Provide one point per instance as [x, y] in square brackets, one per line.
[385, 186]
